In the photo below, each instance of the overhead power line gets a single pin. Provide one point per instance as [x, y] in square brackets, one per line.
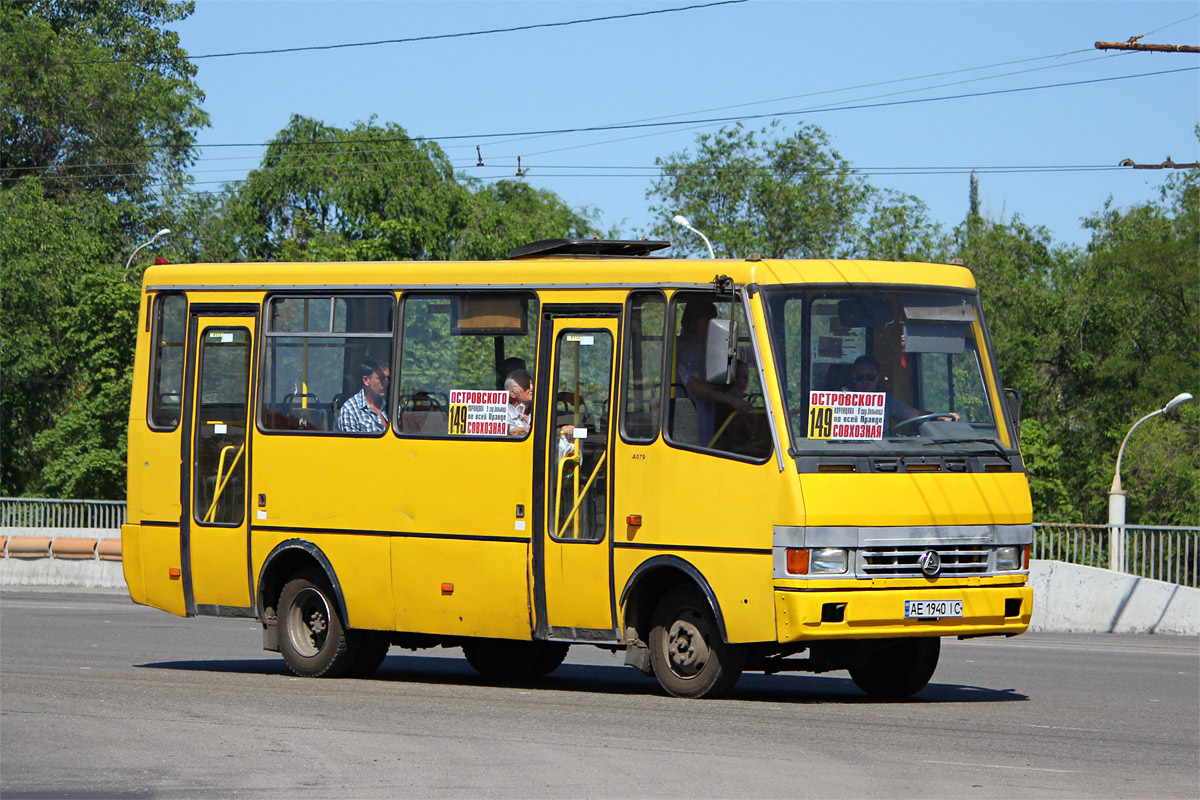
[720, 120]
[408, 39]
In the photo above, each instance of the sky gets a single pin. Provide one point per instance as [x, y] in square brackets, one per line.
[883, 79]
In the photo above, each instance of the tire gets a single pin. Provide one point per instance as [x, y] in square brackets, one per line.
[311, 637]
[895, 668]
[687, 653]
[506, 659]
[372, 650]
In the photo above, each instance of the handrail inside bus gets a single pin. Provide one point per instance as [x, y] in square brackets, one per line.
[582, 494]
[220, 484]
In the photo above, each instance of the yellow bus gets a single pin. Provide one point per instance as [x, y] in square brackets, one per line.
[712, 465]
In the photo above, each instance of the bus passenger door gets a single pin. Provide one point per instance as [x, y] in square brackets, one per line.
[573, 576]
[215, 546]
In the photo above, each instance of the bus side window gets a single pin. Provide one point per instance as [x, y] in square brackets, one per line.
[643, 371]
[459, 342]
[166, 365]
[313, 347]
[721, 418]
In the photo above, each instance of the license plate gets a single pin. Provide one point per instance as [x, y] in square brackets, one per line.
[932, 608]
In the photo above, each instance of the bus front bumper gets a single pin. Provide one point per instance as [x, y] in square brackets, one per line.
[880, 613]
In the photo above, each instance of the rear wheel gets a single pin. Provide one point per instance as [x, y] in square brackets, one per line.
[687, 653]
[311, 637]
[896, 668]
[506, 659]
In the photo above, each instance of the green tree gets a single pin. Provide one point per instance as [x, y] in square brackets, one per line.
[97, 95]
[360, 193]
[66, 340]
[898, 228]
[99, 108]
[508, 214]
[782, 196]
[368, 193]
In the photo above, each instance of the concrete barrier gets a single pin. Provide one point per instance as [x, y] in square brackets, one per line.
[1067, 598]
[1070, 598]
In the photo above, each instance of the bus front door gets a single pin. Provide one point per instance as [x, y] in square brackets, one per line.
[215, 541]
[573, 576]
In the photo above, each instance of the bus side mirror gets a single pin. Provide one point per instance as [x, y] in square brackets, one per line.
[720, 350]
[1014, 400]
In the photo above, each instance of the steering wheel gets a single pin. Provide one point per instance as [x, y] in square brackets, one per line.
[922, 418]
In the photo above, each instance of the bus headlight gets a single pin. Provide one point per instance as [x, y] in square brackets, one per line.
[828, 561]
[1008, 558]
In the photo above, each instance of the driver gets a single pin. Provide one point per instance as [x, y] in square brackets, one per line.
[866, 379]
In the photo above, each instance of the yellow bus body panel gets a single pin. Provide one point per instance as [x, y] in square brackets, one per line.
[447, 587]
[361, 569]
[939, 498]
[876, 612]
[150, 553]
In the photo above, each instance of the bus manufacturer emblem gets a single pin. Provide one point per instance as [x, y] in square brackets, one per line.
[931, 563]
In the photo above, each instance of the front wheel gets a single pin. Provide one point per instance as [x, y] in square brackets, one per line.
[687, 653]
[311, 637]
[895, 668]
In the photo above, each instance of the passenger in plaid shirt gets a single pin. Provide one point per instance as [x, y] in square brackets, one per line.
[364, 412]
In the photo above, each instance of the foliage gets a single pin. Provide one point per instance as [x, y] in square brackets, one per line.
[368, 193]
[87, 84]
[787, 196]
[508, 214]
[1095, 340]
[69, 321]
[99, 109]
[898, 228]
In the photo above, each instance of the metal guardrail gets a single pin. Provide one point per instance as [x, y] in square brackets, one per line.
[32, 512]
[1160, 552]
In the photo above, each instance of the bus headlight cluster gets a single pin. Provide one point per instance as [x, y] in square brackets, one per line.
[828, 561]
[1008, 558]
[822, 561]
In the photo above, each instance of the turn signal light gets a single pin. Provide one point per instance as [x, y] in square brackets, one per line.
[174, 573]
[797, 561]
[447, 588]
[634, 520]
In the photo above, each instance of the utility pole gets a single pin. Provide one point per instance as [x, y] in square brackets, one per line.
[1168, 164]
[1134, 44]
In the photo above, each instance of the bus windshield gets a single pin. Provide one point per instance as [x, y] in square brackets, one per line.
[887, 371]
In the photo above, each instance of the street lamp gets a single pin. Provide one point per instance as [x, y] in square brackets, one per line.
[1116, 495]
[680, 219]
[152, 240]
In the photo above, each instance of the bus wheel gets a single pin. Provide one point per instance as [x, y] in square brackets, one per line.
[372, 650]
[896, 668]
[312, 640]
[506, 659]
[687, 653]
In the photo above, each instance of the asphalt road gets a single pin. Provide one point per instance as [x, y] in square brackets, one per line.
[102, 698]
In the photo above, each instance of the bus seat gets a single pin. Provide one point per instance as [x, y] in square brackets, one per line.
[685, 429]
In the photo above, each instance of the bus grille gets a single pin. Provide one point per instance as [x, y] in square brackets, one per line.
[902, 562]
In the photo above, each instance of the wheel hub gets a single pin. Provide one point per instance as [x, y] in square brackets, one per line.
[687, 647]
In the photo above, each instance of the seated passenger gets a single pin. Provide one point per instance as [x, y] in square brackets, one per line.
[364, 412]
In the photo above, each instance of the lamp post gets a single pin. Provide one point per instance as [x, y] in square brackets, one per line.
[680, 219]
[1116, 494]
[145, 244]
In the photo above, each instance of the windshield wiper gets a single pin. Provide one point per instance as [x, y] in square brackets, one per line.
[999, 448]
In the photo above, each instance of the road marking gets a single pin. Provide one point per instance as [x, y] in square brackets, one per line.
[1061, 728]
[998, 766]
